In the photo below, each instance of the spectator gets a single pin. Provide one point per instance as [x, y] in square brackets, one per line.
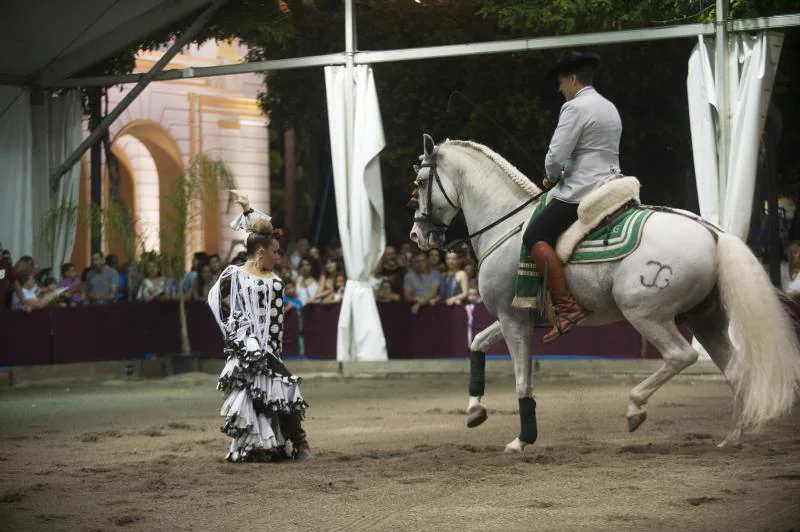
[48, 288]
[290, 299]
[393, 267]
[29, 298]
[385, 294]
[473, 297]
[42, 278]
[327, 280]
[337, 293]
[216, 265]
[435, 260]
[314, 254]
[300, 252]
[6, 255]
[308, 281]
[189, 277]
[101, 281]
[398, 278]
[171, 265]
[286, 266]
[202, 285]
[9, 284]
[240, 258]
[153, 286]
[472, 276]
[454, 287]
[421, 284]
[75, 296]
[790, 280]
[122, 279]
[26, 264]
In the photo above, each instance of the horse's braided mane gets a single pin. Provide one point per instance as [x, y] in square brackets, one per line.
[510, 170]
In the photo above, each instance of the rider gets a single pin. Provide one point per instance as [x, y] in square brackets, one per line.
[583, 155]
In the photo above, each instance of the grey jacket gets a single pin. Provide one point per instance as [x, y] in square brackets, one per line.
[585, 146]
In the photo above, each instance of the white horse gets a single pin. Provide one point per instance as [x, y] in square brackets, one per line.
[683, 266]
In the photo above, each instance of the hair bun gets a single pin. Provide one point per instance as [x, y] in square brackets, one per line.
[262, 226]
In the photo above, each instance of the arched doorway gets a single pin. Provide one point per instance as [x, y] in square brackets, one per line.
[156, 165]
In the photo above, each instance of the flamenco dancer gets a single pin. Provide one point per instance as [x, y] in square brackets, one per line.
[263, 407]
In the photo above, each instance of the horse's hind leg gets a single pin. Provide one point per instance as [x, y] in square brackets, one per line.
[476, 412]
[710, 325]
[677, 352]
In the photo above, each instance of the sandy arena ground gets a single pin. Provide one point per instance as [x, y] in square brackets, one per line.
[393, 453]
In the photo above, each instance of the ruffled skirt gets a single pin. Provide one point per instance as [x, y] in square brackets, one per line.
[255, 399]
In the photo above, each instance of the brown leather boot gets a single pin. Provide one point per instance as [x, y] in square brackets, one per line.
[568, 311]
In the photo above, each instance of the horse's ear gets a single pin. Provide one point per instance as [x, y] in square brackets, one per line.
[427, 143]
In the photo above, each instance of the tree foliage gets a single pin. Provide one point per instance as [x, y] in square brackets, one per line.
[502, 100]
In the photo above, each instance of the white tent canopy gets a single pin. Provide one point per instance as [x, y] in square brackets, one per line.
[356, 133]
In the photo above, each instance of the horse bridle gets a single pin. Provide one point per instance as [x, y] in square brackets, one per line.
[441, 227]
[433, 177]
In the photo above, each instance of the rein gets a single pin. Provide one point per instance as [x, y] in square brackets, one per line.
[442, 227]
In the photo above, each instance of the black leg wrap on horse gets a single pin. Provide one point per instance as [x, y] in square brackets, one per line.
[527, 420]
[477, 373]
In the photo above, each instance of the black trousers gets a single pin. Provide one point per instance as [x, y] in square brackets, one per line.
[556, 218]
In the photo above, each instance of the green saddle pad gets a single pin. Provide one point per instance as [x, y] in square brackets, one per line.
[610, 242]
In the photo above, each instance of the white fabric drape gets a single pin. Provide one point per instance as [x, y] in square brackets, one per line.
[16, 214]
[65, 134]
[35, 220]
[752, 62]
[359, 204]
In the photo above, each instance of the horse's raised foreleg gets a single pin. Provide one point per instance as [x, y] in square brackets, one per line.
[517, 330]
[677, 352]
[476, 412]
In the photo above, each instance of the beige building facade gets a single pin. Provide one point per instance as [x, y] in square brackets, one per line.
[158, 135]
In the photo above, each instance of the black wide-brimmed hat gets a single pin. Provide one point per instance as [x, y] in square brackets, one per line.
[571, 61]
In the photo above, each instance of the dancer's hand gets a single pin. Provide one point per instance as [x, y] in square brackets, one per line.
[241, 199]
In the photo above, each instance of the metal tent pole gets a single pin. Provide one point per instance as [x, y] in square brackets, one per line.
[721, 80]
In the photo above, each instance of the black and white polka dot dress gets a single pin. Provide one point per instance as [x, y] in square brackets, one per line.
[257, 385]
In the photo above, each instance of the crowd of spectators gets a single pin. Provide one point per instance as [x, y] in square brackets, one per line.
[313, 277]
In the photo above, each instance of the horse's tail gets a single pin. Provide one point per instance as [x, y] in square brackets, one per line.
[764, 368]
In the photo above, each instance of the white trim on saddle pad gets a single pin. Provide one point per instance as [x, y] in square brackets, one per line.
[602, 202]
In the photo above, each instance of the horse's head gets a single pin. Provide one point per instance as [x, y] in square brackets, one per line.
[434, 199]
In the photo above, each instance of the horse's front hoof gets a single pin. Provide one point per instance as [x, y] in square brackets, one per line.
[636, 420]
[516, 446]
[476, 415]
[730, 443]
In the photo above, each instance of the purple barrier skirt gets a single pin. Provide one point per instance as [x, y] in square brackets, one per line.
[134, 330]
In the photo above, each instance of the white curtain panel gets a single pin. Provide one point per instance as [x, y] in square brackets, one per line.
[752, 63]
[16, 220]
[65, 134]
[359, 204]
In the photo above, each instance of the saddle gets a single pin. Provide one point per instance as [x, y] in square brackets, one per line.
[595, 208]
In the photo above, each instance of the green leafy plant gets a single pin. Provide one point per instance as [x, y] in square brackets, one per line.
[193, 193]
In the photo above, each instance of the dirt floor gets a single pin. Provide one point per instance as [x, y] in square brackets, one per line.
[393, 453]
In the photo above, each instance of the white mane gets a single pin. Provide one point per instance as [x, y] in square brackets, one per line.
[510, 170]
